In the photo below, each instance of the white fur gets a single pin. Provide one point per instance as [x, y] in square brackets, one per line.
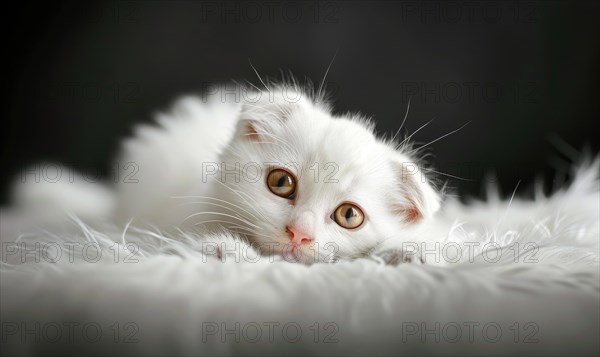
[171, 283]
[336, 159]
[170, 289]
[170, 157]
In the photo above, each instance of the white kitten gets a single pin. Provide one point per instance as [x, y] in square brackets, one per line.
[278, 168]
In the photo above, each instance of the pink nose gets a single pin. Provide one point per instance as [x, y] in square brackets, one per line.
[297, 236]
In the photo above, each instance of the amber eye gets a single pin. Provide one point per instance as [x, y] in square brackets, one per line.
[348, 216]
[281, 183]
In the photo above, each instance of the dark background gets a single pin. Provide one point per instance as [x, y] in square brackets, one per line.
[524, 74]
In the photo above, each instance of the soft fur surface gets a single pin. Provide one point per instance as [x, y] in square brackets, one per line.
[541, 297]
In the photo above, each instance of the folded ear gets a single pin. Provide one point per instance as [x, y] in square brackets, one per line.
[264, 110]
[418, 199]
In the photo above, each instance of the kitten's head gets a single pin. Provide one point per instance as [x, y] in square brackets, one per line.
[317, 186]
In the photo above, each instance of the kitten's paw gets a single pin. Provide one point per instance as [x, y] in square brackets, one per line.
[396, 256]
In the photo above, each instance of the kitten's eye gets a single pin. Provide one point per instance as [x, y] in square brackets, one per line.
[281, 183]
[348, 216]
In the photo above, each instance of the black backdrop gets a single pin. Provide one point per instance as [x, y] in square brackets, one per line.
[524, 74]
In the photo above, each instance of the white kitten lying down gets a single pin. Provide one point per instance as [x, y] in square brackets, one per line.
[279, 170]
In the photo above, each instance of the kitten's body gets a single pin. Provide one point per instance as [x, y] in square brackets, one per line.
[204, 167]
[170, 158]
[206, 164]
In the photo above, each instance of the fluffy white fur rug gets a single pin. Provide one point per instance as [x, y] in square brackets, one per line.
[530, 285]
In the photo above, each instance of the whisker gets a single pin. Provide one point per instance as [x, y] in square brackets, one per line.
[445, 174]
[213, 221]
[325, 76]
[441, 137]
[239, 193]
[416, 131]
[219, 200]
[241, 86]
[232, 190]
[258, 75]
[220, 214]
[218, 205]
[403, 121]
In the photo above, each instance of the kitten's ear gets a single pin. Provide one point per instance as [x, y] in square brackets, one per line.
[418, 199]
[247, 129]
[269, 110]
